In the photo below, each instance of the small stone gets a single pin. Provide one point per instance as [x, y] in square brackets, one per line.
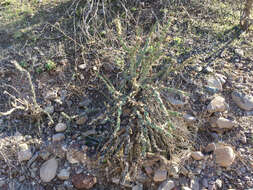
[243, 101]
[84, 103]
[25, 153]
[84, 181]
[197, 155]
[21, 178]
[221, 77]
[243, 139]
[194, 184]
[218, 182]
[224, 155]
[160, 175]
[81, 120]
[58, 137]
[82, 66]
[224, 123]
[48, 170]
[166, 185]
[63, 174]
[205, 182]
[138, 187]
[44, 154]
[60, 127]
[214, 82]
[218, 104]
[210, 147]
[49, 109]
[148, 170]
[186, 188]
[239, 52]
[189, 118]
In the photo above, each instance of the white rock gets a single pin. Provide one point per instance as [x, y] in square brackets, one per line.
[197, 155]
[58, 137]
[166, 185]
[48, 170]
[60, 127]
[214, 82]
[221, 77]
[243, 101]
[189, 118]
[82, 66]
[24, 153]
[175, 102]
[160, 175]
[218, 104]
[239, 52]
[63, 174]
[186, 188]
[224, 123]
[224, 155]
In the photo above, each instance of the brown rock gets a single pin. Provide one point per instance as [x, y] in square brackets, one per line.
[84, 181]
[81, 120]
[224, 155]
[160, 175]
[218, 104]
[210, 147]
[197, 155]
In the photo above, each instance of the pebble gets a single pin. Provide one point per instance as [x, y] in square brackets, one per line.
[210, 147]
[218, 183]
[166, 185]
[224, 123]
[60, 127]
[48, 170]
[224, 155]
[25, 152]
[49, 109]
[82, 66]
[205, 182]
[243, 101]
[84, 181]
[58, 137]
[63, 174]
[189, 118]
[81, 120]
[160, 175]
[138, 187]
[218, 104]
[186, 188]
[197, 155]
[194, 184]
[44, 154]
[214, 82]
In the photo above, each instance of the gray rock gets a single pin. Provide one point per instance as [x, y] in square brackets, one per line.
[243, 101]
[214, 82]
[224, 123]
[160, 175]
[63, 174]
[205, 182]
[58, 137]
[24, 153]
[194, 184]
[48, 170]
[49, 109]
[137, 187]
[166, 185]
[60, 127]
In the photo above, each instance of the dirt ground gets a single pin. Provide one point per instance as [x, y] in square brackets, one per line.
[204, 40]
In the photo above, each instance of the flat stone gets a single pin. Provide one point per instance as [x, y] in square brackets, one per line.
[224, 155]
[58, 137]
[25, 153]
[218, 104]
[197, 155]
[224, 123]
[166, 185]
[186, 188]
[160, 175]
[60, 127]
[48, 170]
[63, 174]
[243, 101]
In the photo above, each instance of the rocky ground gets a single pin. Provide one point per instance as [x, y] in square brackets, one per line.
[217, 114]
